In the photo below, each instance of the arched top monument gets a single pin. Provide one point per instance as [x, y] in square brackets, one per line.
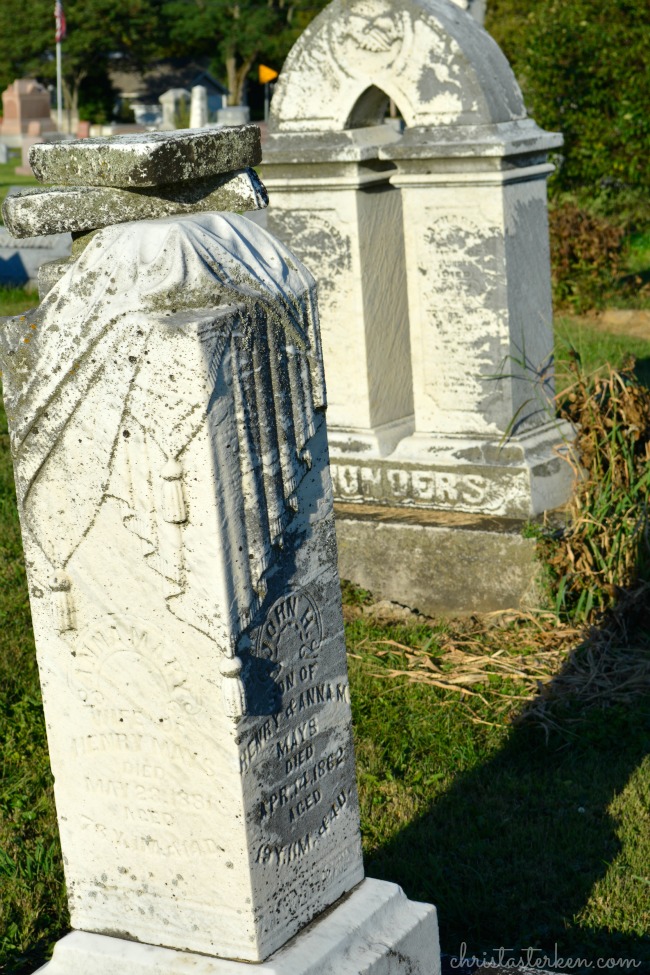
[429, 56]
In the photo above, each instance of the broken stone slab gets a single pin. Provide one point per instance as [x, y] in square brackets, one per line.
[58, 209]
[148, 159]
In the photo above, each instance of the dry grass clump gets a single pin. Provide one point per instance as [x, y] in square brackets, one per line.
[610, 666]
[497, 660]
[603, 550]
[593, 647]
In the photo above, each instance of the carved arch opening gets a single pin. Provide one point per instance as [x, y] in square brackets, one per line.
[371, 108]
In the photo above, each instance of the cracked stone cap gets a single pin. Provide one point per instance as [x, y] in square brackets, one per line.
[147, 159]
[59, 209]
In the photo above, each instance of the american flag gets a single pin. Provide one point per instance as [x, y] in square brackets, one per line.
[59, 21]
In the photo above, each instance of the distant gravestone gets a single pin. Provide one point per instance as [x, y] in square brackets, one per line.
[199, 107]
[234, 115]
[431, 250]
[4, 153]
[175, 104]
[25, 101]
[168, 432]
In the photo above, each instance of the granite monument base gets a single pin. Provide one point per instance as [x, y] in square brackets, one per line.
[436, 562]
[375, 930]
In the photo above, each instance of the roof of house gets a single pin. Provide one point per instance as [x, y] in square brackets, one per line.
[149, 85]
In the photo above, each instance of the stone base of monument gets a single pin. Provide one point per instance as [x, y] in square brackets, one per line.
[375, 930]
[439, 563]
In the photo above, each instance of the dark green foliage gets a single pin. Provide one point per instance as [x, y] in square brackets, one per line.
[239, 33]
[586, 256]
[584, 70]
[96, 30]
[603, 553]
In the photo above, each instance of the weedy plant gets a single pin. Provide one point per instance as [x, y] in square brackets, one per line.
[603, 552]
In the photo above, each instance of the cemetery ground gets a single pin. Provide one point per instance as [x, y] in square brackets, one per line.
[502, 760]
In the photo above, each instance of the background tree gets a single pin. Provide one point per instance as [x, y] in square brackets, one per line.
[96, 30]
[235, 34]
[585, 71]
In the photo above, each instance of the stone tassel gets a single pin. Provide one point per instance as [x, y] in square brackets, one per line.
[269, 444]
[284, 416]
[257, 524]
[62, 604]
[174, 510]
[169, 558]
[232, 687]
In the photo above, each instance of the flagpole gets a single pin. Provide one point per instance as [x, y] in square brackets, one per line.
[59, 98]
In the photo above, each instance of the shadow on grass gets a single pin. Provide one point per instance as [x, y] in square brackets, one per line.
[511, 852]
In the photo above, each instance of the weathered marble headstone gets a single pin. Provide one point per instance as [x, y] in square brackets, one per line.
[431, 252]
[233, 115]
[24, 101]
[175, 102]
[166, 409]
[199, 107]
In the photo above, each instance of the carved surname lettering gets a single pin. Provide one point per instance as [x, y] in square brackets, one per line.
[478, 488]
[369, 480]
[119, 742]
[426, 486]
[423, 485]
[297, 737]
[447, 490]
[399, 481]
[346, 479]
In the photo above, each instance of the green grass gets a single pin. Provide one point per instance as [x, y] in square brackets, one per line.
[519, 841]
[596, 347]
[9, 178]
[32, 903]
[14, 300]
[638, 253]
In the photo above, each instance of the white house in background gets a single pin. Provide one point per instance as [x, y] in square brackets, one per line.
[141, 90]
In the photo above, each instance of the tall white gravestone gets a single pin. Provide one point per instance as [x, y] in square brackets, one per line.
[199, 107]
[166, 408]
[431, 250]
